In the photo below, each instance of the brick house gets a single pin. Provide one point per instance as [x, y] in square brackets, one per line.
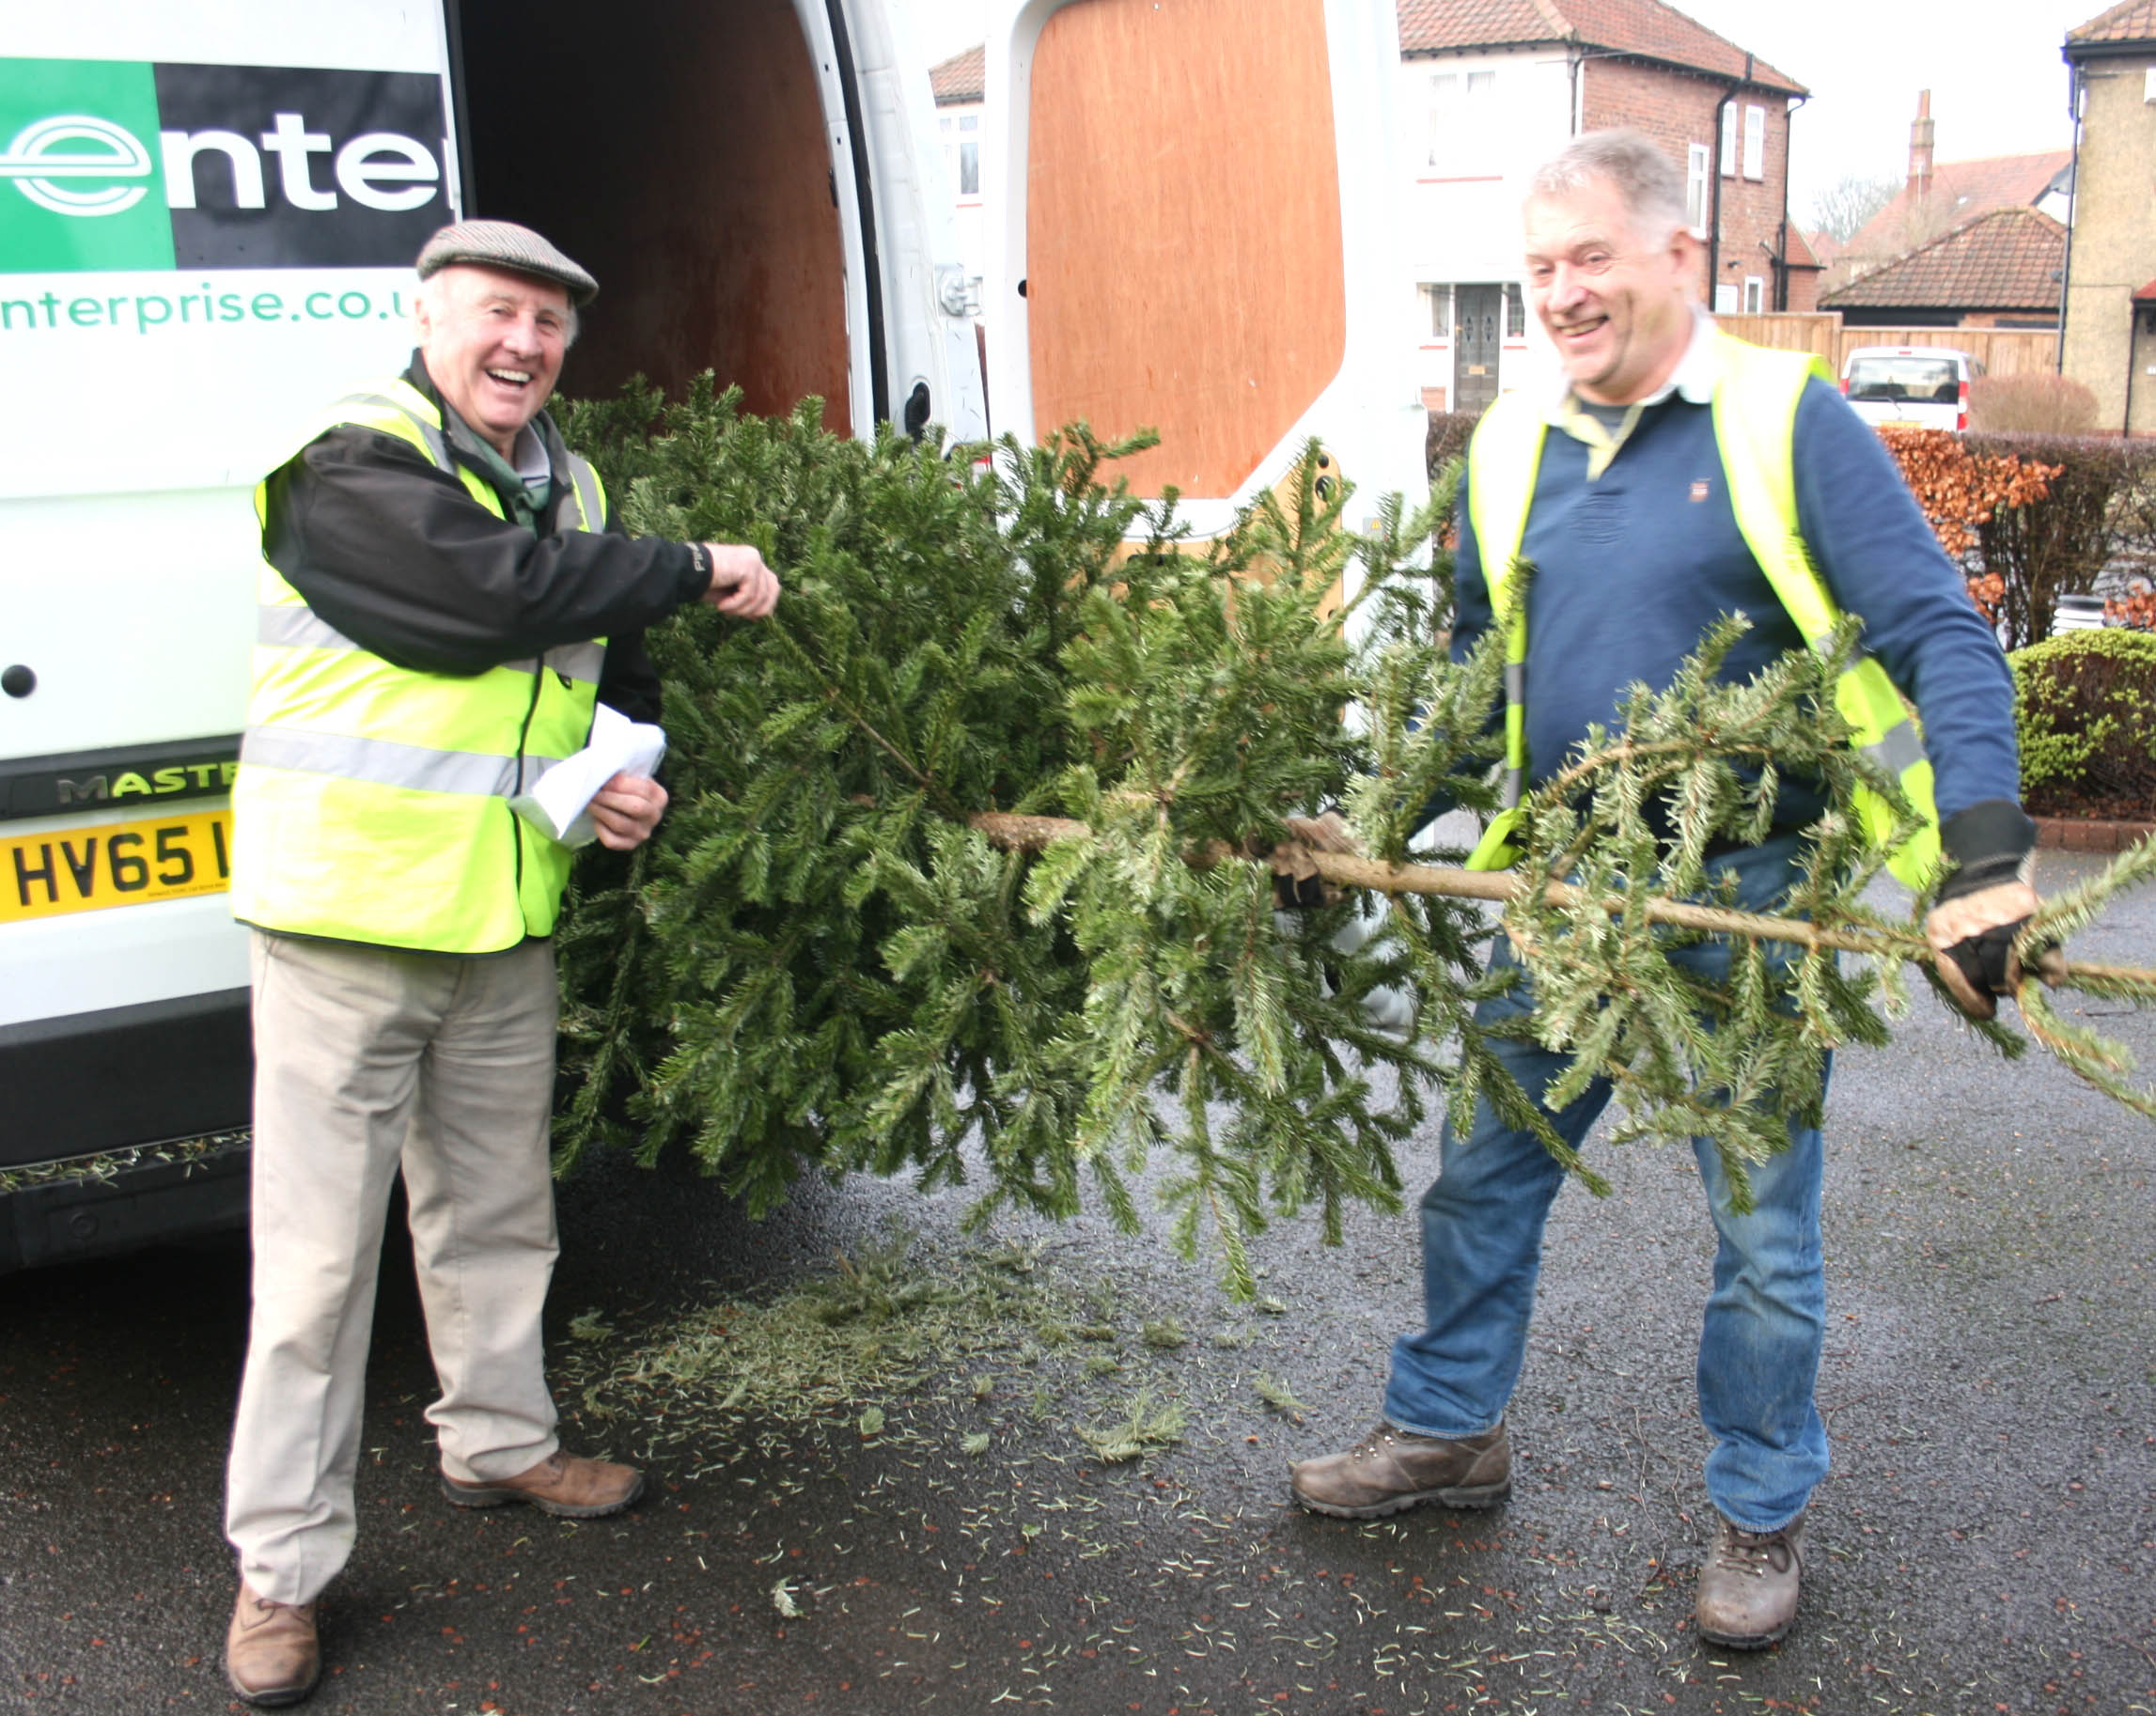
[1495, 86]
[2108, 338]
[2001, 270]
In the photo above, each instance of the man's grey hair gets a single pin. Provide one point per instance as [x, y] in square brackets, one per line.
[1647, 182]
[434, 292]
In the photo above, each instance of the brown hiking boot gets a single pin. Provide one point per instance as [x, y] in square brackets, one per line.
[1748, 1588]
[1390, 1469]
[272, 1655]
[567, 1485]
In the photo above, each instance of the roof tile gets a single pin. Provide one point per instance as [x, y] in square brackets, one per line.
[1959, 191]
[2132, 20]
[2008, 259]
[962, 77]
[1647, 28]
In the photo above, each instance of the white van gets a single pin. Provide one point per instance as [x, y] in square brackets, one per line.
[1909, 386]
[207, 219]
[208, 216]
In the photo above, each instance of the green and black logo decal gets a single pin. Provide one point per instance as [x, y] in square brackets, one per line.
[120, 165]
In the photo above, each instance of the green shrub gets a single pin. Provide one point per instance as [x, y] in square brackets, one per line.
[2084, 708]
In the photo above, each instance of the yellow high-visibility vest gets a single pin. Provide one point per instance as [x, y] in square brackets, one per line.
[371, 803]
[1756, 394]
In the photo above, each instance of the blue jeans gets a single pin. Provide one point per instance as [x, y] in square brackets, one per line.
[1482, 1224]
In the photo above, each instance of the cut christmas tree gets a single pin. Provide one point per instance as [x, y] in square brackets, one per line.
[970, 869]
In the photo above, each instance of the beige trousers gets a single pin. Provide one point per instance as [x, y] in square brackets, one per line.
[368, 1060]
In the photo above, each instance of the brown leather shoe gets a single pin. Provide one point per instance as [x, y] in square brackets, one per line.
[1390, 1469]
[1748, 1588]
[567, 1485]
[272, 1655]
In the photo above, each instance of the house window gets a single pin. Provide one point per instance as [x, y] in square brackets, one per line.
[1443, 110]
[961, 151]
[1462, 108]
[1438, 300]
[1754, 143]
[1754, 295]
[1729, 140]
[1698, 167]
[1725, 299]
[1515, 312]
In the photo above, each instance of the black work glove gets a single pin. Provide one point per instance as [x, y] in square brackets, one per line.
[1984, 905]
[1296, 884]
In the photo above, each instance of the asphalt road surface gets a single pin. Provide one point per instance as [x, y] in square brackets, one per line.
[1986, 1542]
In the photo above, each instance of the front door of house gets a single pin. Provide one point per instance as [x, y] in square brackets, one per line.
[1478, 330]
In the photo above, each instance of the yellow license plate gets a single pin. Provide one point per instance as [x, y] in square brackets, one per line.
[119, 863]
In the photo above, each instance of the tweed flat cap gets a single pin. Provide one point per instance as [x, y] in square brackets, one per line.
[506, 244]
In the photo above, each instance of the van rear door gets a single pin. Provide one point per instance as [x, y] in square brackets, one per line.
[1191, 218]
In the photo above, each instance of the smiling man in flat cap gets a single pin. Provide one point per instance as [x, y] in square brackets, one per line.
[445, 599]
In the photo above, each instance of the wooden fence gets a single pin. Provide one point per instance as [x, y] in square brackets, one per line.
[2001, 351]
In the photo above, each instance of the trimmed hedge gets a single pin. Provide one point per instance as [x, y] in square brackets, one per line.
[1448, 438]
[2085, 710]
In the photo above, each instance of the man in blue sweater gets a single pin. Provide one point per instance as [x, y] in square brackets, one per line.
[1636, 515]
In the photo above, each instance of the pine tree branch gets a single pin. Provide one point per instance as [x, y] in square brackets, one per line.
[838, 700]
[1033, 833]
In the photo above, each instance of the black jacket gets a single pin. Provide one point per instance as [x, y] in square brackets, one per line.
[399, 557]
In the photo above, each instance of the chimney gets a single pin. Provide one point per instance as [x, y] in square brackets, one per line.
[1920, 150]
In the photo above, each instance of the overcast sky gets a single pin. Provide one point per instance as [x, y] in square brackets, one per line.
[1998, 86]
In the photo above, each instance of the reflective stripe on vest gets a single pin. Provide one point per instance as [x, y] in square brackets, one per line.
[386, 764]
[281, 625]
[1756, 396]
[372, 800]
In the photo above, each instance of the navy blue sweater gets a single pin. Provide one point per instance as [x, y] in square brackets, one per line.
[1631, 568]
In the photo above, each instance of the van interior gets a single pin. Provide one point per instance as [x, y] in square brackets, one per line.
[678, 150]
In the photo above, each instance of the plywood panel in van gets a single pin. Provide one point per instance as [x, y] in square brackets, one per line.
[676, 148]
[1184, 244]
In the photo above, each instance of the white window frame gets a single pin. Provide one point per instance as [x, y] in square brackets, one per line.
[1462, 110]
[1730, 141]
[1433, 294]
[1754, 142]
[960, 133]
[1698, 177]
[1443, 111]
[1754, 294]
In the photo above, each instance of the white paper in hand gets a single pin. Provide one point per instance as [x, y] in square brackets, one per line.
[558, 803]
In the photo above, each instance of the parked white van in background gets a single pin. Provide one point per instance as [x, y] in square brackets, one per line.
[1909, 386]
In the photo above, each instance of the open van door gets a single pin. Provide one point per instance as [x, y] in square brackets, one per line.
[1192, 216]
